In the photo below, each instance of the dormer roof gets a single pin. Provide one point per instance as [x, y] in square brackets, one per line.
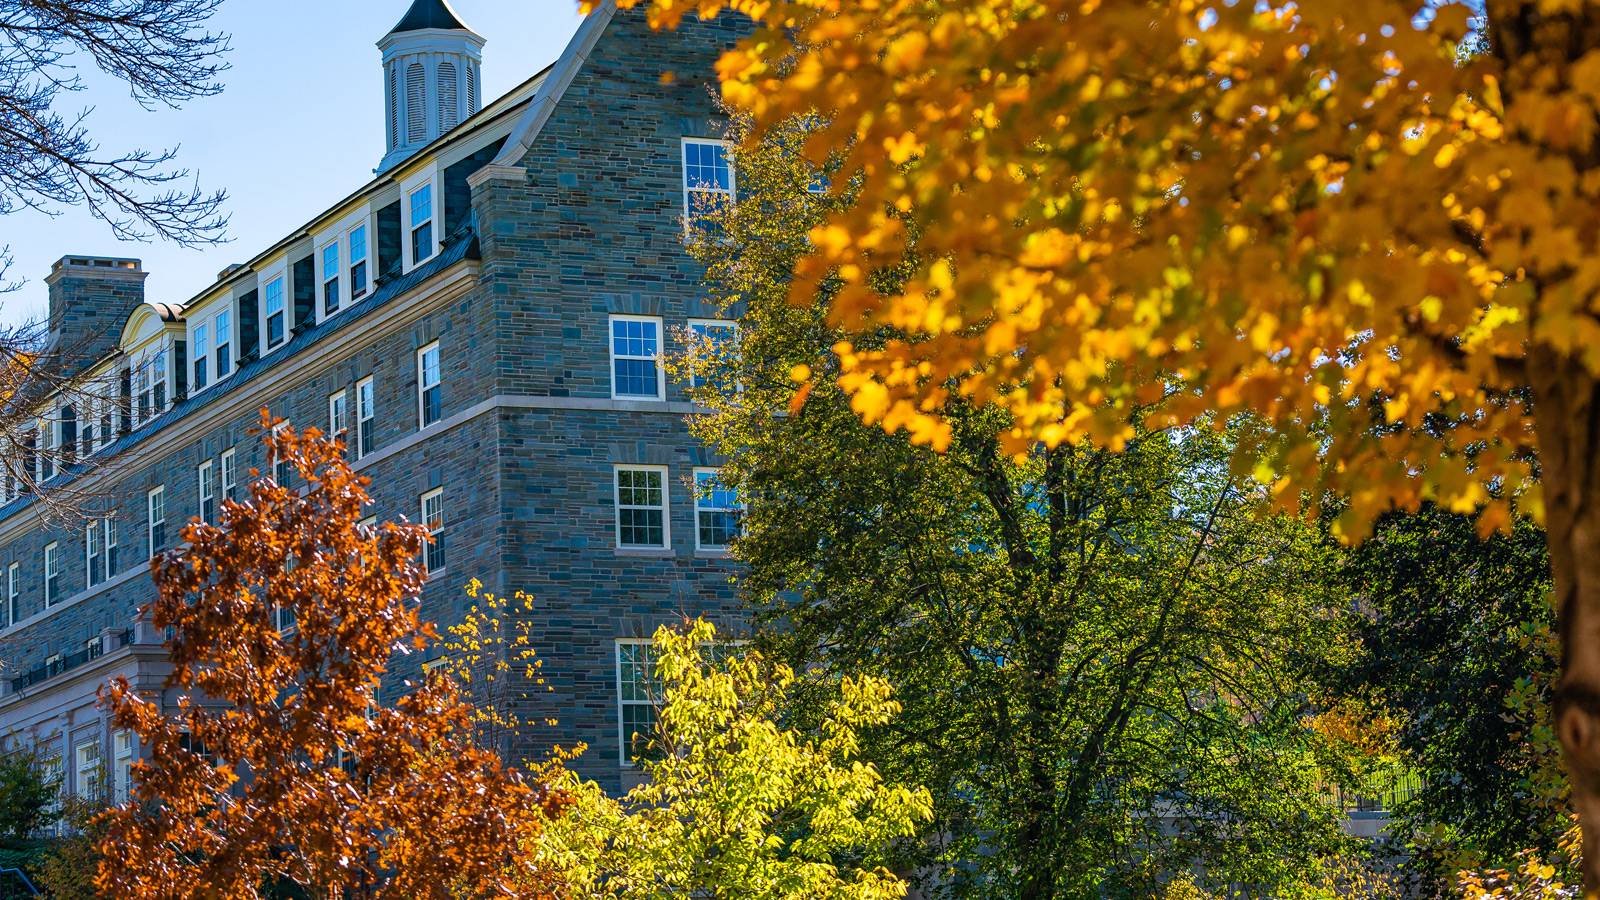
[425, 14]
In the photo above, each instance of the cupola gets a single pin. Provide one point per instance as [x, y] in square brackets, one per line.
[431, 63]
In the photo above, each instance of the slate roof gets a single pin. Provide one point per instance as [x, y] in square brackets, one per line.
[461, 245]
[429, 14]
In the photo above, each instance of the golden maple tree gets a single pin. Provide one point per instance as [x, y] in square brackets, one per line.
[1371, 224]
[278, 766]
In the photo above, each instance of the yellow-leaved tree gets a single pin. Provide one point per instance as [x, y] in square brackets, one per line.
[1371, 224]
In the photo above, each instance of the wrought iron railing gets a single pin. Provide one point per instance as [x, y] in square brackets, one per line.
[58, 665]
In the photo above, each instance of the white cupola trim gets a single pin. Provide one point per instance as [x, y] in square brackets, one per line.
[431, 78]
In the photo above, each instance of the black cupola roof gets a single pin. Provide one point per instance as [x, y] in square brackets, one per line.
[429, 14]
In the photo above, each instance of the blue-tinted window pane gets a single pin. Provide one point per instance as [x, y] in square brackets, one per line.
[705, 165]
[630, 337]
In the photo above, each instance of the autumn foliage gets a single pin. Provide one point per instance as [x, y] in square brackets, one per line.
[279, 767]
[1370, 225]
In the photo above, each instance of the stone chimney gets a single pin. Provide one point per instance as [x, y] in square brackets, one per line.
[91, 298]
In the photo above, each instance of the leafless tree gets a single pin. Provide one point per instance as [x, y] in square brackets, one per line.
[163, 52]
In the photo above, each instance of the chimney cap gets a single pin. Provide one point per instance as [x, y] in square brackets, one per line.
[83, 265]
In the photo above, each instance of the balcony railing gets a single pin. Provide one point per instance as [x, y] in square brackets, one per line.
[66, 663]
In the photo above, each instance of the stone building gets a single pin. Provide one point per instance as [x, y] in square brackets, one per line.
[483, 321]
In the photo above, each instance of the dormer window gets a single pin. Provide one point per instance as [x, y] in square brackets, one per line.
[202, 356]
[277, 318]
[330, 279]
[358, 262]
[421, 202]
[158, 379]
[223, 325]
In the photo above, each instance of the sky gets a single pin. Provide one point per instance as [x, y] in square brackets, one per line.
[298, 126]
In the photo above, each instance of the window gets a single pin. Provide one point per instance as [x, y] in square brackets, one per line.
[276, 317]
[52, 574]
[641, 493]
[716, 511]
[330, 279]
[421, 224]
[121, 765]
[86, 770]
[635, 353]
[279, 464]
[222, 329]
[13, 593]
[364, 417]
[639, 692]
[86, 429]
[433, 520]
[283, 618]
[202, 357]
[156, 510]
[358, 262]
[108, 529]
[707, 185]
[158, 381]
[143, 403]
[428, 401]
[229, 476]
[93, 554]
[715, 342]
[208, 492]
[47, 454]
[336, 414]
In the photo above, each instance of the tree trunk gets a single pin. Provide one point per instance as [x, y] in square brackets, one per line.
[1567, 423]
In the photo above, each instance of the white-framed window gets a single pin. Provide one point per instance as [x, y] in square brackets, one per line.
[280, 466]
[716, 510]
[639, 695]
[121, 765]
[433, 519]
[150, 385]
[636, 371]
[715, 342]
[420, 204]
[366, 425]
[87, 774]
[51, 764]
[708, 185]
[108, 533]
[47, 455]
[94, 555]
[156, 519]
[276, 310]
[88, 426]
[13, 593]
[158, 381]
[357, 242]
[230, 475]
[283, 618]
[338, 421]
[222, 333]
[207, 491]
[429, 402]
[641, 497]
[52, 574]
[200, 352]
[330, 279]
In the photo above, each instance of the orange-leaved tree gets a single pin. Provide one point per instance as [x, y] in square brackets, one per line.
[278, 766]
[1371, 224]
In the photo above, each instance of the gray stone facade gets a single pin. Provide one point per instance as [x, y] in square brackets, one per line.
[582, 222]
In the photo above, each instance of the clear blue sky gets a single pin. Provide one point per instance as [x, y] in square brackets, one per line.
[299, 126]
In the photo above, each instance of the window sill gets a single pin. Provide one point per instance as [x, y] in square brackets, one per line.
[655, 552]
